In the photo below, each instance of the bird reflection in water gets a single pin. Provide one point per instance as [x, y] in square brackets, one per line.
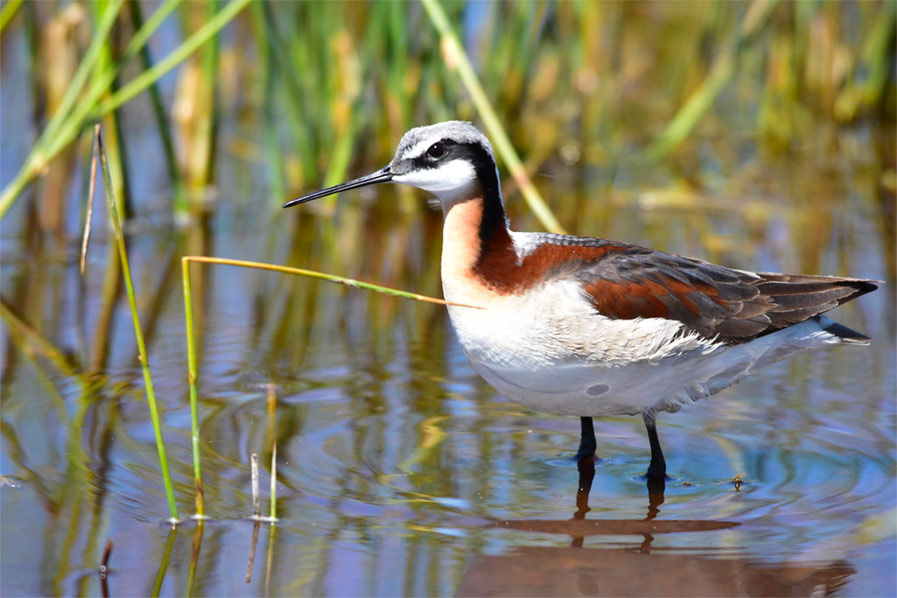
[656, 487]
[614, 568]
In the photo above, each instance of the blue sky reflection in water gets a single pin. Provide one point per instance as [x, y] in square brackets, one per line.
[400, 471]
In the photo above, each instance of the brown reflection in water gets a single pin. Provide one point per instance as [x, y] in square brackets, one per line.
[638, 569]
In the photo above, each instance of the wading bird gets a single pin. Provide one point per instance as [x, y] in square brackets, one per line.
[590, 327]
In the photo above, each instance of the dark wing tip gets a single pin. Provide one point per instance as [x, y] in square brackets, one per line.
[810, 282]
[866, 286]
[795, 298]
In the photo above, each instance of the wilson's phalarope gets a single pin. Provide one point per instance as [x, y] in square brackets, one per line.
[590, 327]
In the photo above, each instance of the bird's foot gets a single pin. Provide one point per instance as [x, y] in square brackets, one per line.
[657, 471]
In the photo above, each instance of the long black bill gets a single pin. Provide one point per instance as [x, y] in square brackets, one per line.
[381, 176]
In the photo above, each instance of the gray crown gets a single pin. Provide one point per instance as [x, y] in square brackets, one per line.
[456, 130]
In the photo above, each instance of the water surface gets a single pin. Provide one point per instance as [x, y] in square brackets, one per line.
[399, 470]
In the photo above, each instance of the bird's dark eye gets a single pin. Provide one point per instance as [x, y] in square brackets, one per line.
[437, 150]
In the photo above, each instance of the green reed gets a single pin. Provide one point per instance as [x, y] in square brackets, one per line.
[7, 12]
[272, 440]
[164, 562]
[40, 155]
[179, 194]
[720, 76]
[135, 319]
[542, 75]
[77, 111]
[456, 55]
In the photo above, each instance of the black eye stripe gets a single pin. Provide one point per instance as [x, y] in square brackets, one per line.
[475, 152]
[437, 150]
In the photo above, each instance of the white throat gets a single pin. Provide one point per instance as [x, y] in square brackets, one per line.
[450, 182]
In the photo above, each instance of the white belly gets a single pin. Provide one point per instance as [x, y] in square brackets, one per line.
[551, 352]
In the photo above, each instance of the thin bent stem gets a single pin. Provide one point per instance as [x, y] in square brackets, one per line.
[192, 377]
[351, 282]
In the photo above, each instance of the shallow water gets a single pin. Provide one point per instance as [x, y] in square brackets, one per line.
[399, 470]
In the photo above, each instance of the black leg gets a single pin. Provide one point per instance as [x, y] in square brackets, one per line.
[656, 487]
[658, 467]
[587, 443]
[586, 475]
[586, 468]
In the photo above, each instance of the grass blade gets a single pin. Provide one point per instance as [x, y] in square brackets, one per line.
[39, 156]
[456, 55]
[60, 133]
[93, 55]
[273, 511]
[722, 73]
[190, 45]
[135, 319]
[7, 12]
[179, 194]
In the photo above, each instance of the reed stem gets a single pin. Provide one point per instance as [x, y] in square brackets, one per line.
[190, 45]
[720, 75]
[457, 57]
[71, 117]
[273, 512]
[254, 485]
[135, 319]
[163, 563]
[194, 394]
[179, 194]
[351, 282]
